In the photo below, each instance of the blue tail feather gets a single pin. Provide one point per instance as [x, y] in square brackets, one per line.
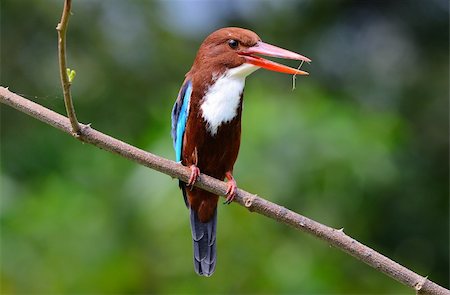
[204, 240]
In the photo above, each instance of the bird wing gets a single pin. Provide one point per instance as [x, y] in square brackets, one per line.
[180, 114]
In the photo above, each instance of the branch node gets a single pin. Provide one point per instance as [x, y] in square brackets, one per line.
[418, 286]
[86, 127]
[79, 134]
[248, 201]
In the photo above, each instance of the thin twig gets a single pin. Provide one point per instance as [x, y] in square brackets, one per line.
[65, 83]
[294, 77]
[254, 203]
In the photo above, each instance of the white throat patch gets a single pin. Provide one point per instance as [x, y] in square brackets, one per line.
[222, 99]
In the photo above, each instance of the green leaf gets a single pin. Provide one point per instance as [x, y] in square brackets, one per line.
[71, 74]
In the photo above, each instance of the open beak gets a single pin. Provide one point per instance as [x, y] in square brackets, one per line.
[265, 49]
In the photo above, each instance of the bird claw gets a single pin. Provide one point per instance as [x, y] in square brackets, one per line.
[231, 190]
[195, 172]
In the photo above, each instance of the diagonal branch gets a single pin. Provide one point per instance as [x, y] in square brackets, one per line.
[334, 237]
[65, 81]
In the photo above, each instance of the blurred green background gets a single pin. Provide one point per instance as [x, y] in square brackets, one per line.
[362, 143]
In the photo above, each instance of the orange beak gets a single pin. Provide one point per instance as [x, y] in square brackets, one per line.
[265, 49]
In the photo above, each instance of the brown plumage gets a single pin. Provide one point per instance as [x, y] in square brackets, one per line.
[213, 155]
[216, 154]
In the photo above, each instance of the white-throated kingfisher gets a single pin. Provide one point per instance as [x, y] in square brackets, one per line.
[206, 124]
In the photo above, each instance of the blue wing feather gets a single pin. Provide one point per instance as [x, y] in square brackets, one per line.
[180, 114]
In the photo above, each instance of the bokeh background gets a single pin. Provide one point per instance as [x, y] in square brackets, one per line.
[360, 144]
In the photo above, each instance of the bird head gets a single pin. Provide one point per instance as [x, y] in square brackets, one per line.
[241, 49]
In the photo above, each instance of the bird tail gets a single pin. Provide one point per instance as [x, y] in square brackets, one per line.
[204, 238]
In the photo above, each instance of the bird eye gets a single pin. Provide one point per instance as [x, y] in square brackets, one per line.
[233, 43]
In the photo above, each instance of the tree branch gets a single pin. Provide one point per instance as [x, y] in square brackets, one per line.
[334, 237]
[63, 70]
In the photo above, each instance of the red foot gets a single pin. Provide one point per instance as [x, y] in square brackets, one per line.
[195, 172]
[232, 186]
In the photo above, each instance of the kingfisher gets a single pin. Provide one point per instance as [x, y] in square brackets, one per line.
[206, 124]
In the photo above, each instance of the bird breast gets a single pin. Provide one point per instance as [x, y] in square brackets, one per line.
[223, 97]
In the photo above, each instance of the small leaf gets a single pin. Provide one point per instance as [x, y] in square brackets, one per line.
[71, 74]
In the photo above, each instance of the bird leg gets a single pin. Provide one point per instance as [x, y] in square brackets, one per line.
[232, 186]
[195, 171]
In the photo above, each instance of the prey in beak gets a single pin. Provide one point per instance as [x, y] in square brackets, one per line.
[252, 56]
